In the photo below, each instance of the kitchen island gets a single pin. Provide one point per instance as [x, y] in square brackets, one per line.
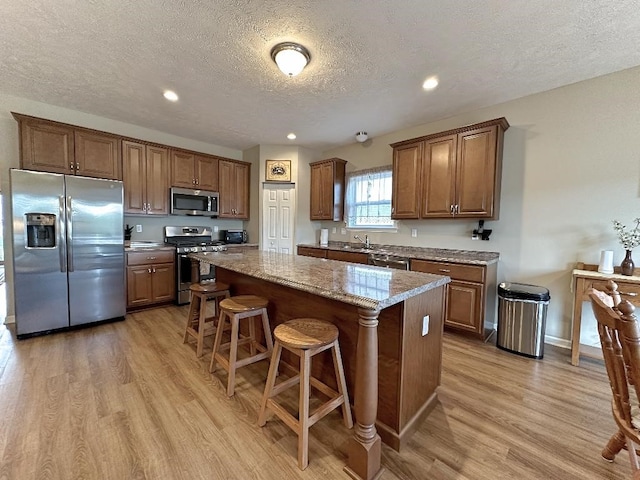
[392, 383]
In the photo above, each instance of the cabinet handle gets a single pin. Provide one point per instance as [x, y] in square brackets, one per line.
[148, 207]
[451, 209]
[72, 166]
[144, 207]
[151, 258]
[154, 270]
[444, 270]
[197, 182]
[457, 208]
[77, 166]
[149, 270]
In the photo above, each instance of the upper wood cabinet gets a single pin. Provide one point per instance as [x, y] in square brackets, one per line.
[97, 155]
[407, 165]
[46, 146]
[192, 170]
[233, 178]
[452, 174]
[58, 148]
[146, 179]
[327, 189]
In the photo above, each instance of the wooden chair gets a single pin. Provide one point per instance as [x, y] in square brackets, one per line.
[235, 309]
[198, 324]
[305, 337]
[620, 338]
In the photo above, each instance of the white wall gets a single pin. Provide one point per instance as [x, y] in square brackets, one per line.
[571, 165]
[9, 158]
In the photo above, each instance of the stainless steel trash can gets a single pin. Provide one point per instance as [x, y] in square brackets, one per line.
[522, 315]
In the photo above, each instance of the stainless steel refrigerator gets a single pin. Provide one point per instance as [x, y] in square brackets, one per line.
[68, 251]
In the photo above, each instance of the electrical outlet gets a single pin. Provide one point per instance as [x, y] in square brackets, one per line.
[343, 231]
[333, 230]
[425, 325]
[139, 228]
[414, 232]
[215, 228]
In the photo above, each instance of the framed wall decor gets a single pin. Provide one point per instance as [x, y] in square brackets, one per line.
[278, 171]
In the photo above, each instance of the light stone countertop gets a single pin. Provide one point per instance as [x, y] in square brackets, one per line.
[360, 285]
[470, 257]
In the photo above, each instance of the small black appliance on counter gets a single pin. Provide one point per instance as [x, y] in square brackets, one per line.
[233, 236]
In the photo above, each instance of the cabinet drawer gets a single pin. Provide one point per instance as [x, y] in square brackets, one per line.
[150, 256]
[457, 271]
[623, 287]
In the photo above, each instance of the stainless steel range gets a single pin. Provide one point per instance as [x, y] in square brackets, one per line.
[190, 240]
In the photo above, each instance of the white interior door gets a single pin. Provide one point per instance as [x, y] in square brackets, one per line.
[278, 222]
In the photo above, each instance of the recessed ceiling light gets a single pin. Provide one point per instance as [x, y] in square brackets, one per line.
[170, 95]
[291, 136]
[430, 83]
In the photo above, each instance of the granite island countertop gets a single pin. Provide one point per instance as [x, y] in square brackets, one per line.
[470, 257]
[364, 286]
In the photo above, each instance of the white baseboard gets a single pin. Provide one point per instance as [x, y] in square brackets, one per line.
[557, 341]
[10, 319]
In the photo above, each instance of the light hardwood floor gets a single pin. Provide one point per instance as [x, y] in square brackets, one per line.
[129, 400]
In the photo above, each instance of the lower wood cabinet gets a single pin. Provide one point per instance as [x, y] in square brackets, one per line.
[470, 304]
[151, 278]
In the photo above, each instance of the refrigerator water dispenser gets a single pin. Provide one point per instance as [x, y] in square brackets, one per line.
[41, 230]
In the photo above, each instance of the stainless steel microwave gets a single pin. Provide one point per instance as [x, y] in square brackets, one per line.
[194, 202]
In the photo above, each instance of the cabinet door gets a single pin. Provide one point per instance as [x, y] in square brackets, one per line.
[241, 182]
[157, 180]
[164, 283]
[206, 173]
[183, 169]
[97, 155]
[463, 306]
[439, 177]
[476, 173]
[225, 176]
[134, 177]
[139, 286]
[407, 166]
[316, 192]
[46, 147]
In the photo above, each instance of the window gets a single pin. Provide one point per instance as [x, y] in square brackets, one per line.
[368, 199]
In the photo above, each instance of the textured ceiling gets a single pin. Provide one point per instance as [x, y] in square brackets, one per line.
[113, 58]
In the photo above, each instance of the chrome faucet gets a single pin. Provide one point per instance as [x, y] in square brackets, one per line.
[365, 241]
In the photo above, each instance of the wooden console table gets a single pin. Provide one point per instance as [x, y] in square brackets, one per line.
[586, 276]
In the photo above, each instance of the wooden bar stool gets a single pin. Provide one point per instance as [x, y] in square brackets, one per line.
[235, 309]
[305, 337]
[198, 325]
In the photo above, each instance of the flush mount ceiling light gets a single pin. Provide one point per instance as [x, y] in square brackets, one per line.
[361, 136]
[170, 95]
[290, 57]
[291, 136]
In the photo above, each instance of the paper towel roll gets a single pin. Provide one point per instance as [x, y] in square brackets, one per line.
[324, 237]
[606, 261]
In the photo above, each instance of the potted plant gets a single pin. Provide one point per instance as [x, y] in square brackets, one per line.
[127, 232]
[629, 239]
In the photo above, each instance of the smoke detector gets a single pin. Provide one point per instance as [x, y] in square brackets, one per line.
[361, 136]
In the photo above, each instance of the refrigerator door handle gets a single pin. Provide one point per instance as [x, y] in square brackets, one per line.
[62, 251]
[69, 234]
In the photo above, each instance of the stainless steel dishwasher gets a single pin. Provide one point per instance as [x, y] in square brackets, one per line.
[389, 261]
